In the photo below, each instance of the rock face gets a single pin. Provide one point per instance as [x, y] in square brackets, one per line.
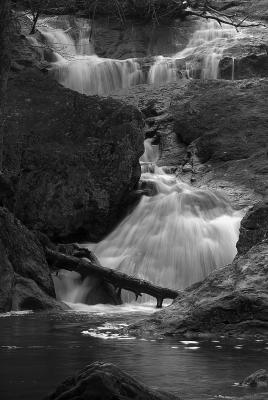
[254, 228]
[77, 156]
[232, 300]
[100, 381]
[225, 125]
[220, 128]
[25, 280]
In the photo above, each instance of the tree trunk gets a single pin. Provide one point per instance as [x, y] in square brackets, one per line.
[119, 280]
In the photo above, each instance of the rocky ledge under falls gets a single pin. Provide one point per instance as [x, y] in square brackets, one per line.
[233, 300]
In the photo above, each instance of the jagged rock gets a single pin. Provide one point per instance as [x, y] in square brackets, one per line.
[103, 381]
[78, 158]
[219, 127]
[257, 379]
[25, 280]
[225, 125]
[253, 228]
[250, 66]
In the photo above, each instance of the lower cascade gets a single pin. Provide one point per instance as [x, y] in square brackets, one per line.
[174, 237]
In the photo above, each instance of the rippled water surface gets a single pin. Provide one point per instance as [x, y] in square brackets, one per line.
[37, 351]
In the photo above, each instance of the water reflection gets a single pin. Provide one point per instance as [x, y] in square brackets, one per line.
[51, 347]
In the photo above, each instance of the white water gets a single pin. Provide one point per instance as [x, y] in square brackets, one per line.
[201, 56]
[77, 67]
[179, 235]
[174, 238]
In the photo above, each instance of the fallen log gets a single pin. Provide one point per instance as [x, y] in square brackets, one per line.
[91, 266]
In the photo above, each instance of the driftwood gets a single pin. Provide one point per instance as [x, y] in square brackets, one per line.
[89, 265]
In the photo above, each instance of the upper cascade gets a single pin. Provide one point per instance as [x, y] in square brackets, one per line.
[77, 67]
[200, 58]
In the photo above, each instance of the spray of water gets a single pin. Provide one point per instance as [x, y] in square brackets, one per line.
[174, 238]
[202, 54]
[77, 67]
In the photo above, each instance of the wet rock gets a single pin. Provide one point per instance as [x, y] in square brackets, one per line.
[78, 157]
[257, 379]
[225, 125]
[253, 228]
[25, 280]
[232, 300]
[219, 127]
[187, 168]
[250, 66]
[103, 381]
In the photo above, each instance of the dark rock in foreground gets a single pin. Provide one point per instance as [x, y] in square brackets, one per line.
[232, 300]
[257, 379]
[78, 156]
[25, 280]
[100, 381]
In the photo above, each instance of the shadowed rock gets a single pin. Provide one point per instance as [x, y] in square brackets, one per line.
[78, 156]
[25, 280]
[101, 381]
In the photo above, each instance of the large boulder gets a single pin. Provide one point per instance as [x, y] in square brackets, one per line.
[103, 381]
[232, 300]
[25, 280]
[77, 157]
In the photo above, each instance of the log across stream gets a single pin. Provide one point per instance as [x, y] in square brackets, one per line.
[85, 263]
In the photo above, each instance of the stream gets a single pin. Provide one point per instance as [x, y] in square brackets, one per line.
[40, 350]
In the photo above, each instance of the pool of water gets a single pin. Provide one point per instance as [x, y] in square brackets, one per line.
[38, 351]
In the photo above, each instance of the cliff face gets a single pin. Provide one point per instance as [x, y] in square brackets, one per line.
[77, 156]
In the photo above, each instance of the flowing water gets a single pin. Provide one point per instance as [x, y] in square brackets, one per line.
[38, 351]
[174, 237]
[201, 56]
[77, 67]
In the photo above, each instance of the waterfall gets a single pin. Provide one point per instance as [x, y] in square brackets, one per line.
[175, 237]
[164, 70]
[202, 55]
[77, 66]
